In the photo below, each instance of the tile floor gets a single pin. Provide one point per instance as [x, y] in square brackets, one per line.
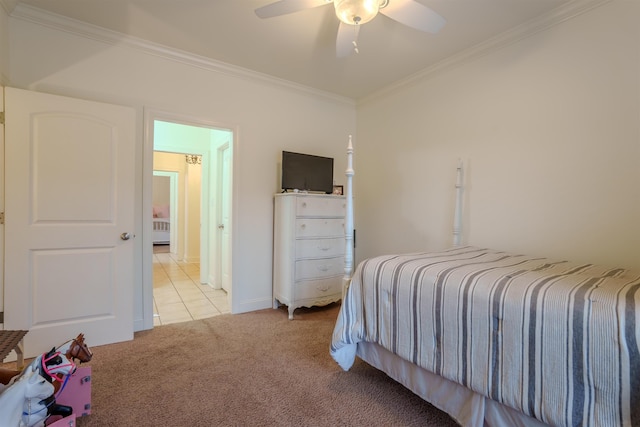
[178, 295]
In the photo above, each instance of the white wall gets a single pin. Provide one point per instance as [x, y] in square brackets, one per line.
[161, 191]
[4, 43]
[549, 130]
[266, 118]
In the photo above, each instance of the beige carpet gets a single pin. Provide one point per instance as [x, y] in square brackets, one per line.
[253, 369]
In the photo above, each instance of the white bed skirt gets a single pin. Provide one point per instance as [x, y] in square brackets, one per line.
[467, 407]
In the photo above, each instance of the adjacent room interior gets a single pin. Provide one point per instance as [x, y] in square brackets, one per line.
[180, 291]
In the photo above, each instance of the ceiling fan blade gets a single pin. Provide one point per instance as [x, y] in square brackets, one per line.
[346, 39]
[284, 7]
[414, 15]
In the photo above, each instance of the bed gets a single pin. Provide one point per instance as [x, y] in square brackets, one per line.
[161, 225]
[496, 338]
[161, 231]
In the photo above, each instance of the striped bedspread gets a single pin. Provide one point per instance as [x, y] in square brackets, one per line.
[555, 340]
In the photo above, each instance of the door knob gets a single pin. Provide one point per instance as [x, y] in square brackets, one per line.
[125, 236]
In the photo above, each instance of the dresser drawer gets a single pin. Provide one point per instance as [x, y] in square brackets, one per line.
[321, 206]
[316, 248]
[319, 227]
[317, 268]
[316, 289]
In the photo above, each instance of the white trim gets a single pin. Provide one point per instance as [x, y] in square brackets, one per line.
[563, 13]
[94, 32]
[2, 191]
[252, 305]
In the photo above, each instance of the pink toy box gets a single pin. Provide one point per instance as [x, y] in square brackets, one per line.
[77, 394]
[69, 421]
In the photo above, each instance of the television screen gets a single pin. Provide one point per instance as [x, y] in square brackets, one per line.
[306, 172]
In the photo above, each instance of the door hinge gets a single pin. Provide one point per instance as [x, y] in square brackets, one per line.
[1, 117]
[1, 217]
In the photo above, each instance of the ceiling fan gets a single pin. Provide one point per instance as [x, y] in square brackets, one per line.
[353, 13]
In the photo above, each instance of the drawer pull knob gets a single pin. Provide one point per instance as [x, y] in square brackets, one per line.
[325, 289]
[324, 248]
[323, 268]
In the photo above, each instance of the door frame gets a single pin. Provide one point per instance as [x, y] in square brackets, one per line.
[2, 307]
[223, 204]
[207, 228]
[173, 208]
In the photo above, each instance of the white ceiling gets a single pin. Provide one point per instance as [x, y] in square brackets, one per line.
[300, 47]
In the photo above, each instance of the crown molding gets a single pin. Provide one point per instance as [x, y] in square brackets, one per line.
[561, 14]
[8, 5]
[82, 29]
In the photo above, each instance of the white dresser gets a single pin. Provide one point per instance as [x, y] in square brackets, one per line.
[308, 249]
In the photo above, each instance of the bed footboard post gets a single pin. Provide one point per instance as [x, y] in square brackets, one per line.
[457, 217]
[348, 225]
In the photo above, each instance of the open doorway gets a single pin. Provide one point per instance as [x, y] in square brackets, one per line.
[179, 294]
[190, 230]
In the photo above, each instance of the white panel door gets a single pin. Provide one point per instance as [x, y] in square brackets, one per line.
[225, 208]
[69, 199]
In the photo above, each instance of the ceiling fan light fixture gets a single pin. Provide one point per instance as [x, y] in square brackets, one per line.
[356, 12]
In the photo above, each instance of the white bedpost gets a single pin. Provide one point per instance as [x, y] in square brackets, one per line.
[348, 225]
[457, 217]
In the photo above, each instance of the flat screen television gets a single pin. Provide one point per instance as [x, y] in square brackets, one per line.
[306, 172]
